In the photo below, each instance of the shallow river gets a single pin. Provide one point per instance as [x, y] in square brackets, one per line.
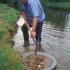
[55, 37]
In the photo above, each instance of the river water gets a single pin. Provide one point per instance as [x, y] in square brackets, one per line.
[55, 37]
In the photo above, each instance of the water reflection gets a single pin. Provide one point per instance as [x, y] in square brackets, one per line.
[58, 18]
[57, 36]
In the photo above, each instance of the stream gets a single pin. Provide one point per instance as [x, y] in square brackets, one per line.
[55, 38]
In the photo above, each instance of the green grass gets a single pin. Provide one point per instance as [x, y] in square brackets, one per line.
[8, 16]
[9, 59]
[1, 35]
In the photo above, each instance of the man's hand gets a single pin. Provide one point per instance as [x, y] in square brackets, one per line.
[33, 34]
[34, 24]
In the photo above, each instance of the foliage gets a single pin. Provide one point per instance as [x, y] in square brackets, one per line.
[8, 16]
[12, 3]
[2, 34]
[9, 59]
[59, 5]
[58, 0]
[65, 4]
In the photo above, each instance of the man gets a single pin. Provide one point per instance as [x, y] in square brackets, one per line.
[34, 15]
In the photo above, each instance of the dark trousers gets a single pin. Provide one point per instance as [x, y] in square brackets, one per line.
[38, 32]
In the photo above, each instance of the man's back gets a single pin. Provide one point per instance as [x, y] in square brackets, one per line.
[33, 9]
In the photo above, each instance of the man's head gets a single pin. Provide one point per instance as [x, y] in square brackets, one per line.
[23, 1]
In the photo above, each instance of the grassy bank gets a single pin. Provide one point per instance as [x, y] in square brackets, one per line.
[8, 17]
[64, 5]
[9, 59]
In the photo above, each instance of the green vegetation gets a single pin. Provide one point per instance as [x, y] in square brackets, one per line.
[9, 59]
[8, 16]
[1, 34]
[12, 3]
[46, 3]
[64, 5]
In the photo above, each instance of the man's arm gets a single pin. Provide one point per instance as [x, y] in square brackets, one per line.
[22, 9]
[23, 13]
[35, 11]
[34, 23]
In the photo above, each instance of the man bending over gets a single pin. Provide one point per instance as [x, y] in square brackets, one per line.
[34, 15]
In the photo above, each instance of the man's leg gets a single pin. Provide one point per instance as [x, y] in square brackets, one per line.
[26, 35]
[38, 34]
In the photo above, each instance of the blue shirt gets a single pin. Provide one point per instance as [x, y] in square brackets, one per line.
[33, 8]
